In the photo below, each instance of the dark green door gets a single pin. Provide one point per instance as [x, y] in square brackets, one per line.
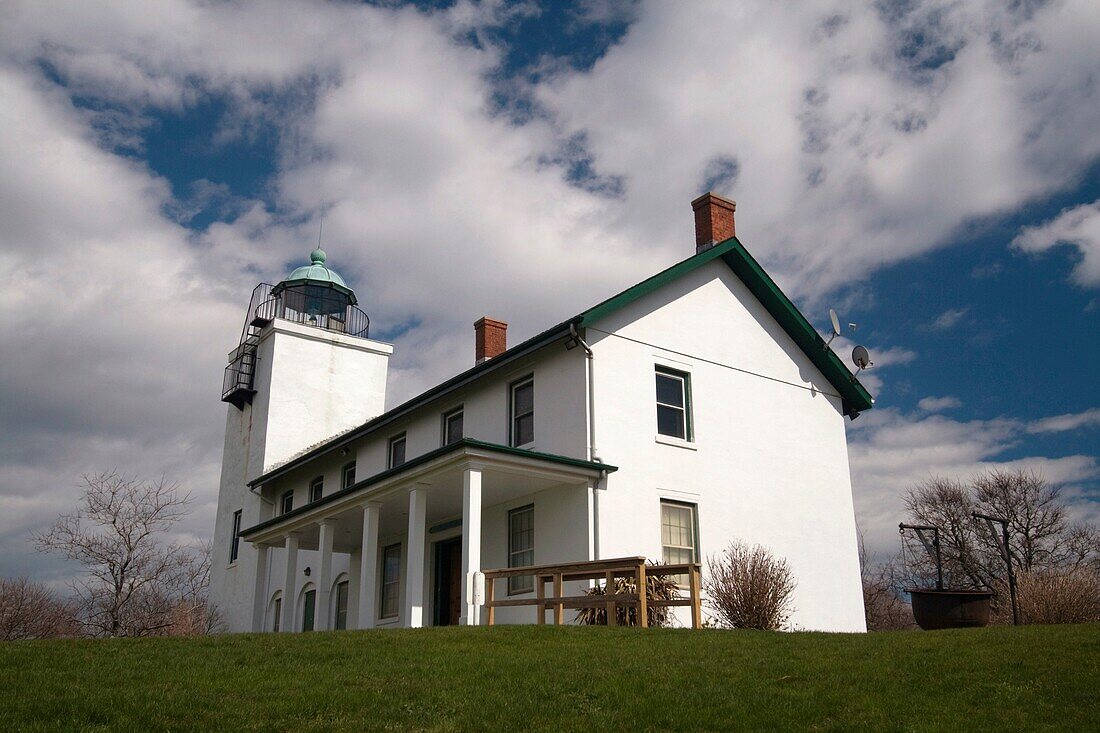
[307, 612]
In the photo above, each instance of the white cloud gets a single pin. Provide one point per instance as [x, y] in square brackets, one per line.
[1063, 423]
[939, 404]
[948, 319]
[1078, 226]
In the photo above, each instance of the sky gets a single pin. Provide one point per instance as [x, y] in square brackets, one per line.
[929, 169]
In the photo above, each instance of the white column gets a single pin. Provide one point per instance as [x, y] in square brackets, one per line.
[355, 568]
[414, 558]
[368, 570]
[288, 622]
[322, 617]
[259, 597]
[471, 543]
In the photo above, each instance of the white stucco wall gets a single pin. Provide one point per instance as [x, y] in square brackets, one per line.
[768, 463]
[310, 384]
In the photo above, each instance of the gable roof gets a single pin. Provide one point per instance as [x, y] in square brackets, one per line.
[854, 396]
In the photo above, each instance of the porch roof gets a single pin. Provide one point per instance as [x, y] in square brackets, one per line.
[422, 468]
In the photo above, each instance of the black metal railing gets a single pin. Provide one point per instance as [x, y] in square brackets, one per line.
[353, 321]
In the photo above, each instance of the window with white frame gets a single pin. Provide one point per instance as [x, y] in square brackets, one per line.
[235, 543]
[679, 536]
[452, 426]
[391, 580]
[347, 475]
[521, 547]
[522, 399]
[673, 403]
[287, 502]
[316, 488]
[397, 451]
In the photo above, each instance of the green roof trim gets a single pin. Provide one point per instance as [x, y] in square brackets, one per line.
[736, 257]
[426, 458]
[733, 253]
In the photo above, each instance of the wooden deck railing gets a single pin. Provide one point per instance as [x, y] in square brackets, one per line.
[606, 570]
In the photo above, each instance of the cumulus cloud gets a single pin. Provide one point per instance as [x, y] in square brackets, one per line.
[1078, 226]
[939, 404]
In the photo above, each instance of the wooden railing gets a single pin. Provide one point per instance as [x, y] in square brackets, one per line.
[606, 570]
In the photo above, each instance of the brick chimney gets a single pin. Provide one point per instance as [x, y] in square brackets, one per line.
[713, 220]
[491, 338]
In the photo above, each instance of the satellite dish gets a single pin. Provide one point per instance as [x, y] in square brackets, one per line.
[862, 358]
[836, 327]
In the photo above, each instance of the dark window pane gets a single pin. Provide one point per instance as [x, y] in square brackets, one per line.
[454, 428]
[349, 475]
[397, 452]
[670, 390]
[316, 490]
[670, 422]
[524, 431]
[341, 606]
[288, 502]
[524, 399]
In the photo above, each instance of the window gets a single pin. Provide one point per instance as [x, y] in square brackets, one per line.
[341, 606]
[522, 430]
[391, 580]
[678, 535]
[673, 403]
[308, 609]
[348, 475]
[277, 613]
[287, 502]
[452, 426]
[316, 488]
[397, 450]
[235, 544]
[521, 547]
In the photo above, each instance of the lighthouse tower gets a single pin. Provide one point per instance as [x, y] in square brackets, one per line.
[305, 370]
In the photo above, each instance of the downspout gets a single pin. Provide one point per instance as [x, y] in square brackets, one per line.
[590, 397]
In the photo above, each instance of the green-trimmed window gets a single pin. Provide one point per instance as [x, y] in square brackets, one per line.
[286, 504]
[679, 535]
[452, 426]
[673, 403]
[235, 543]
[397, 451]
[317, 488]
[347, 475]
[521, 430]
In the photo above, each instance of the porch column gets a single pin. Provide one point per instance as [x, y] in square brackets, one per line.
[368, 568]
[355, 568]
[471, 543]
[287, 622]
[321, 618]
[259, 597]
[414, 558]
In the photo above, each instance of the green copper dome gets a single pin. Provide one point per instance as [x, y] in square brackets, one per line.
[316, 273]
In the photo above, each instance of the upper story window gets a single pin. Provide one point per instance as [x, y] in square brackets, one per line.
[286, 503]
[452, 426]
[397, 451]
[235, 543]
[521, 547]
[522, 409]
[679, 535]
[347, 475]
[673, 403]
[316, 488]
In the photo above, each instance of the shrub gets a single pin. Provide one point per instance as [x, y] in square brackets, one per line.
[749, 588]
[657, 587]
[1060, 596]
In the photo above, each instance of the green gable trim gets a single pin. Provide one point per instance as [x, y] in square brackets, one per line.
[733, 253]
[426, 458]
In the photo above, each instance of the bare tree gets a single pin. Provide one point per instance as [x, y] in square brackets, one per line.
[884, 605]
[33, 611]
[749, 588]
[131, 579]
[1043, 542]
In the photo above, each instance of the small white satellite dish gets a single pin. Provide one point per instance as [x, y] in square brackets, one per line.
[862, 358]
[836, 327]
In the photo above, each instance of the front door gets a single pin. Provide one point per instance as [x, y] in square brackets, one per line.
[308, 610]
[448, 582]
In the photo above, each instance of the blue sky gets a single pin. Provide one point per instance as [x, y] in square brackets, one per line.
[929, 169]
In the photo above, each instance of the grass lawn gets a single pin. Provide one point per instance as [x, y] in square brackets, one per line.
[570, 678]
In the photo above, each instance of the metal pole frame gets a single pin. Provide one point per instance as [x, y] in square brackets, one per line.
[1006, 553]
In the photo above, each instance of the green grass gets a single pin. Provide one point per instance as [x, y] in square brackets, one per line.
[547, 678]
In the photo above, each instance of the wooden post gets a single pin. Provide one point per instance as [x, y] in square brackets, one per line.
[540, 593]
[609, 588]
[643, 611]
[559, 609]
[696, 608]
[489, 582]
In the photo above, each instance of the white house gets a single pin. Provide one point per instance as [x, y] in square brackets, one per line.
[695, 408]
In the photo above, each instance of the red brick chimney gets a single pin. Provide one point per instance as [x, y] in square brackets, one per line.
[713, 220]
[491, 338]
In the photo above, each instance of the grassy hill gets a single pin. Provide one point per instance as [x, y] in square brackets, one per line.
[546, 678]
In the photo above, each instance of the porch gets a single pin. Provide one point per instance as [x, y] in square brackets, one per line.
[415, 538]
